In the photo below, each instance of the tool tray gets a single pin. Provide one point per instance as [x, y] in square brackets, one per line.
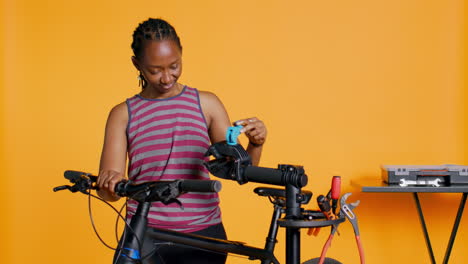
[296, 223]
[312, 218]
[448, 174]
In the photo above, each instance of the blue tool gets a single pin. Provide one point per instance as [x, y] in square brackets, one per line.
[232, 133]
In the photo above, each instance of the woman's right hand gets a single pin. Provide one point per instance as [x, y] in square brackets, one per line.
[106, 181]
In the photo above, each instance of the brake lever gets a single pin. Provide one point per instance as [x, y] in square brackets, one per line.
[82, 184]
[61, 188]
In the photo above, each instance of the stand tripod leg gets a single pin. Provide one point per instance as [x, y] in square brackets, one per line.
[455, 228]
[423, 224]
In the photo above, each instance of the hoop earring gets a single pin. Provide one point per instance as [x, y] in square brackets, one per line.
[141, 81]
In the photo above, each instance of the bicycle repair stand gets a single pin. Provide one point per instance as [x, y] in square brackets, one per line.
[233, 162]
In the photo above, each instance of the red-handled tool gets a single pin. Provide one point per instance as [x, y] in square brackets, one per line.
[335, 192]
[324, 204]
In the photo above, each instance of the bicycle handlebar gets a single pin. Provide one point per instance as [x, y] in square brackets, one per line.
[233, 162]
[200, 186]
[282, 176]
[126, 188]
[73, 176]
[154, 190]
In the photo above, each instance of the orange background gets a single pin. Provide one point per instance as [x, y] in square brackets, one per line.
[343, 86]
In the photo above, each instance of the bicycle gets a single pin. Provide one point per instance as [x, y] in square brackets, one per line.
[231, 162]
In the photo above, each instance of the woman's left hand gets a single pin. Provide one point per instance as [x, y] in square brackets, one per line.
[254, 129]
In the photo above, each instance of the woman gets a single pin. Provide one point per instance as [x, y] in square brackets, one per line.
[165, 131]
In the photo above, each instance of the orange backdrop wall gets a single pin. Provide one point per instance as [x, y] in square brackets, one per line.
[343, 86]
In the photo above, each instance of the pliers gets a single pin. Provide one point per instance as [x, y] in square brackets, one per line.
[347, 210]
[327, 244]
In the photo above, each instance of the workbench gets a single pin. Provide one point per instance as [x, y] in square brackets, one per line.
[379, 186]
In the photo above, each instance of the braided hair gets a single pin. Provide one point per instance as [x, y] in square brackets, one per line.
[153, 29]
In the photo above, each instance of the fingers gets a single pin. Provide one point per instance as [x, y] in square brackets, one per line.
[107, 179]
[254, 129]
[243, 121]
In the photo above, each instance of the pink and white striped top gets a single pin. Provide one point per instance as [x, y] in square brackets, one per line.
[167, 140]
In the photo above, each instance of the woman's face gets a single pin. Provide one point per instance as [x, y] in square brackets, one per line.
[161, 65]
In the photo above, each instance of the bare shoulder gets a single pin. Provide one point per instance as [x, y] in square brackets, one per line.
[209, 97]
[119, 113]
[210, 103]
[120, 109]
[214, 111]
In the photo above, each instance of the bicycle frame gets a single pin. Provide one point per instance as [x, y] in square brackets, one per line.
[231, 162]
[293, 221]
[213, 244]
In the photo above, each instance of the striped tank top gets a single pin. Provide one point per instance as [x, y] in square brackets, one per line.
[167, 140]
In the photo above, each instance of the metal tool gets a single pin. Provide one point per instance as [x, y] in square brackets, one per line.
[327, 245]
[347, 210]
[433, 183]
[324, 205]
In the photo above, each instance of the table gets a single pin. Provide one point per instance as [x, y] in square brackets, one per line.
[382, 187]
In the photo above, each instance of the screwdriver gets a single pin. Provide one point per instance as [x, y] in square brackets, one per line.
[335, 192]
